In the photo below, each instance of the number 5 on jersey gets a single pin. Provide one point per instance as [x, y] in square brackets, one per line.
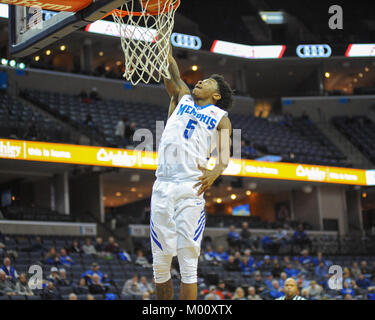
[190, 129]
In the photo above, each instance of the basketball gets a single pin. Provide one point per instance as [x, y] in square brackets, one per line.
[154, 5]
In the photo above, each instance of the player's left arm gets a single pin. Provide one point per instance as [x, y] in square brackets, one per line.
[225, 141]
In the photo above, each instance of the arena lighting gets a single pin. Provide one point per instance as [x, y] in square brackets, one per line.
[118, 194]
[233, 196]
[101, 53]
[364, 195]
[37, 58]
[133, 190]
[229, 188]
[360, 75]
[4, 61]
[194, 68]
[248, 192]
[48, 52]
[21, 66]
[12, 63]
[219, 200]
[63, 47]
[314, 51]
[327, 75]
[246, 51]
[272, 17]
[360, 50]
[367, 69]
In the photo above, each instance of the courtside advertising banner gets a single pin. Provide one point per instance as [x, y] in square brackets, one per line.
[112, 157]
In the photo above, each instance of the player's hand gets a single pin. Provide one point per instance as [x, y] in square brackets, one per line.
[206, 180]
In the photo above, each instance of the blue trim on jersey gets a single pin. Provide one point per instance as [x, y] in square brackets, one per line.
[152, 223]
[198, 235]
[200, 226]
[204, 107]
[157, 242]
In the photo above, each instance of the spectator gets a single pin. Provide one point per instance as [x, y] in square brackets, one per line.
[276, 268]
[50, 292]
[54, 277]
[142, 260]
[305, 294]
[348, 297]
[302, 282]
[291, 272]
[210, 254]
[247, 150]
[268, 280]
[232, 265]
[283, 277]
[88, 248]
[6, 286]
[52, 257]
[131, 286]
[258, 283]
[144, 286]
[321, 272]
[365, 269]
[268, 245]
[94, 94]
[373, 271]
[347, 289]
[306, 260]
[2, 248]
[75, 248]
[94, 270]
[222, 292]
[356, 270]
[129, 133]
[99, 246]
[73, 296]
[363, 282]
[315, 290]
[211, 295]
[37, 245]
[146, 296]
[300, 238]
[239, 294]
[90, 297]
[120, 127]
[319, 258]
[112, 246]
[221, 255]
[246, 266]
[124, 256]
[280, 238]
[82, 287]
[276, 291]
[63, 281]
[253, 295]
[9, 270]
[247, 253]
[22, 286]
[96, 286]
[233, 238]
[88, 121]
[246, 236]
[265, 265]
[356, 289]
[65, 260]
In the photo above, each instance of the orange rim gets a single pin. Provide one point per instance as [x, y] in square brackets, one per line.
[123, 13]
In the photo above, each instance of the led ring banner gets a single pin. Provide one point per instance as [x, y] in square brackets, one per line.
[112, 157]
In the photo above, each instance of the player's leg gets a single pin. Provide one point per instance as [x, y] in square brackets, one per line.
[163, 239]
[190, 223]
[188, 260]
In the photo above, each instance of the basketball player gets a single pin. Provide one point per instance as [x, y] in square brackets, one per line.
[196, 121]
[290, 290]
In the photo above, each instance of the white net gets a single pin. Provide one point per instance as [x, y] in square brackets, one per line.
[145, 39]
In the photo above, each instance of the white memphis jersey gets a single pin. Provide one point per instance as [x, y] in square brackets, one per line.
[189, 138]
[295, 298]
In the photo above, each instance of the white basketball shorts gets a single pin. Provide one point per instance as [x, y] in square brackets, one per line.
[177, 217]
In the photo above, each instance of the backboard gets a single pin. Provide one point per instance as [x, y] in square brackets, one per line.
[32, 28]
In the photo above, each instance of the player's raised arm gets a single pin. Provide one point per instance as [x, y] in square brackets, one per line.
[209, 176]
[176, 88]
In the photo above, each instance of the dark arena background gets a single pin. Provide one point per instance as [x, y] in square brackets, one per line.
[298, 201]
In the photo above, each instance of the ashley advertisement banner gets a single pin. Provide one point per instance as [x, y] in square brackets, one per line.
[111, 157]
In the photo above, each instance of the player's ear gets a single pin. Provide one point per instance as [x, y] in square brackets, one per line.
[216, 96]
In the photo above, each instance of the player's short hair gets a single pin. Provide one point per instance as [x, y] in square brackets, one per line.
[226, 92]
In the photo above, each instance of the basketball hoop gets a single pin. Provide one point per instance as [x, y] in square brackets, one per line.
[145, 37]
